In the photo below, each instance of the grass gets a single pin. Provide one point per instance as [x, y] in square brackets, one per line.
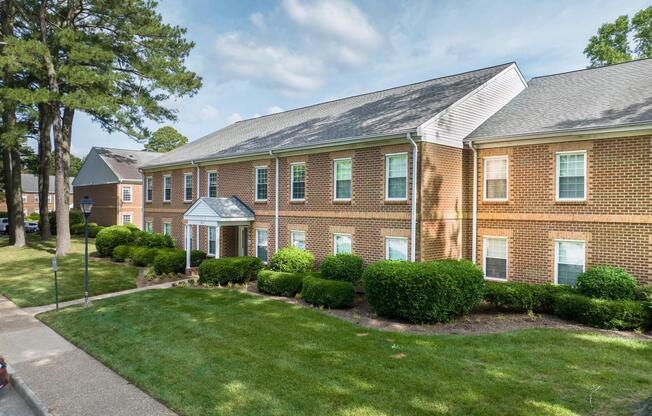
[210, 352]
[26, 273]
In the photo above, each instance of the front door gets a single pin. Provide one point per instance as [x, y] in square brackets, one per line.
[243, 235]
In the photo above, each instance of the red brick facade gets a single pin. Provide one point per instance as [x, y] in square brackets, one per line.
[110, 207]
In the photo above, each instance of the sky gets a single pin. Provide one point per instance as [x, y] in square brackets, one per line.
[262, 57]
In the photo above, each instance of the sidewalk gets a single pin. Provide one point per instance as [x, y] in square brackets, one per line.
[69, 381]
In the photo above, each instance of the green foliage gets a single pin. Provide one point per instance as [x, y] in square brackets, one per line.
[34, 216]
[602, 313]
[523, 297]
[155, 240]
[423, 292]
[165, 139]
[122, 253]
[111, 237]
[94, 229]
[196, 257]
[169, 261]
[279, 283]
[144, 256]
[229, 270]
[346, 267]
[75, 217]
[292, 260]
[334, 294]
[607, 283]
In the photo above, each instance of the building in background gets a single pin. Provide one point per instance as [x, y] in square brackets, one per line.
[29, 184]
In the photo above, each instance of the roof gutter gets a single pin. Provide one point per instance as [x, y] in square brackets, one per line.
[276, 181]
[193, 163]
[474, 232]
[413, 220]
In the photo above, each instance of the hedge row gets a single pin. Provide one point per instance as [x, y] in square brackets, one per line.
[229, 270]
[110, 237]
[523, 297]
[292, 260]
[345, 267]
[279, 283]
[330, 293]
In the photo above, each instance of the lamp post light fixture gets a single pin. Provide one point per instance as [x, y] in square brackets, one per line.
[86, 205]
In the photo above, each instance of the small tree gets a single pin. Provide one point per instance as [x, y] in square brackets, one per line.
[165, 139]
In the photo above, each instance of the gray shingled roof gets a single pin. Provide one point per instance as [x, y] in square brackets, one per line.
[228, 207]
[387, 112]
[29, 183]
[124, 162]
[587, 99]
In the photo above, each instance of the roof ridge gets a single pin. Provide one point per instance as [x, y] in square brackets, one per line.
[126, 150]
[592, 69]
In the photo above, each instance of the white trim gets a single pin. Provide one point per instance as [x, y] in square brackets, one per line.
[293, 232]
[407, 168]
[335, 235]
[170, 177]
[256, 169]
[131, 217]
[556, 265]
[187, 175]
[208, 183]
[292, 165]
[557, 175]
[484, 179]
[149, 229]
[257, 242]
[208, 241]
[335, 198]
[122, 193]
[387, 238]
[170, 224]
[484, 257]
[149, 186]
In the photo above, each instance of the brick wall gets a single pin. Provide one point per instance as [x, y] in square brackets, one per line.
[105, 211]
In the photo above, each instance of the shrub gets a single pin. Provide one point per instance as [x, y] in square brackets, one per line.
[229, 270]
[154, 240]
[601, 313]
[607, 283]
[196, 257]
[94, 229]
[523, 297]
[334, 294]
[34, 216]
[346, 267]
[643, 292]
[78, 229]
[169, 261]
[292, 260]
[121, 253]
[143, 256]
[75, 216]
[111, 237]
[279, 283]
[423, 292]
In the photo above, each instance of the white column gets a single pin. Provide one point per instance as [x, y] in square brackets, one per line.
[217, 241]
[188, 233]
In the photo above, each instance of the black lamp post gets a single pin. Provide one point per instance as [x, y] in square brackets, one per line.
[86, 205]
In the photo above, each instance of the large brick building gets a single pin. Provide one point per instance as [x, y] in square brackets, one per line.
[29, 185]
[535, 181]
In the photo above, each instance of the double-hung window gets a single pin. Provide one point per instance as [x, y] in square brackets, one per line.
[571, 176]
[24, 199]
[298, 183]
[261, 244]
[396, 248]
[167, 228]
[298, 239]
[342, 179]
[149, 227]
[495, 178]
[569, 261]
[126, 219]
[212, 241]
[187, 187]
[36, 198]
[342, 244]
[261, 183]
[126, 194]
[495, 258]
[396, 181]
[148, 189]
[167, 188]
[212, 184]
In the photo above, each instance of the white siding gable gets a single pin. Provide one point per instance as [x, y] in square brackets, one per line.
[452, 125]
[200, 209]
[94, 171]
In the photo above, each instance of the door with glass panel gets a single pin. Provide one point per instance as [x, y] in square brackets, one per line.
[242, 240]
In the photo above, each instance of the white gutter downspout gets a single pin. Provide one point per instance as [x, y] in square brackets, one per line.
[194, 163]
[474, 233]
[413, 225]
[143, 187]
[276, 181]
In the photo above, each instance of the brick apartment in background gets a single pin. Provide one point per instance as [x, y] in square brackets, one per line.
[111, 178]
[29, 185]
[534, 181]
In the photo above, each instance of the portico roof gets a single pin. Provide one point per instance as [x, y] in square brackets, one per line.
[218, 211]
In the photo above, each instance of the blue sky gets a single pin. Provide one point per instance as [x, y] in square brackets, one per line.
[260, 57]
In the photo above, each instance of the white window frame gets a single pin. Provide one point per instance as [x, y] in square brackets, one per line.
[24, 198]
[335, 235]
[484, 257]
[558, 176]
[49, 198]
[149, 181]
[565, 240]
[36, 198]
[122, 191]
[293, 232]
[484, 178]
[407, 248]
[170, 224]
[208, 242]
[185, 186]
[258, 240]
[208, 183]
[256, 169]
[407, 173]
[122, 218]
[344, 159]
[292, 165]
[164, 188]
[149, 226]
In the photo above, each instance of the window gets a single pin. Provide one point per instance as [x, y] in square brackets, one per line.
[212, 241]
[49, 198]
[571, 176]
[148, 189]
[167, 187]
[261, 183]
[569, 261]
[298, 184]
[24, 199]
[212, 184]
[187, 187]
[396, 248]
[167, 228]
[495, 258]
[495, 178]
[36, 198]
[342, 179]
[126, 194]
[342, 243]
[261, 245]
[149, 227]
[298, 239]
[396, 177]
[126, 219]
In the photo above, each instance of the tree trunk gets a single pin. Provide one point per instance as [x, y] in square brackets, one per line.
[44, 154]
[17, 199]
[6, 175]
[62, 167]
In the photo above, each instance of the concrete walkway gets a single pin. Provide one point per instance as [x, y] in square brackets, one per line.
[11, 404]
[66, 379]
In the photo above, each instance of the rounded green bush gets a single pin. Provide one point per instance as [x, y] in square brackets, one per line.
[93, 230]
[143, 256]
[75, 216]
[111, 237]
[155, 240]
[602, 313]
[423, 292]
[121, 253]
[169, 261]
[607, 283]
[334, 294]
[279, 283]
[523, 297]
[229, 270]
[346, 267]
[196, 257]
[292, 260]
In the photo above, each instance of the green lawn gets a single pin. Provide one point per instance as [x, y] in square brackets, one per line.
[222, 352]
[26, 274]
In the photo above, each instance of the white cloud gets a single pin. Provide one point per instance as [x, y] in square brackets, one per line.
[235, 117]
[258, 20]
[274, 109]
[208, 112]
